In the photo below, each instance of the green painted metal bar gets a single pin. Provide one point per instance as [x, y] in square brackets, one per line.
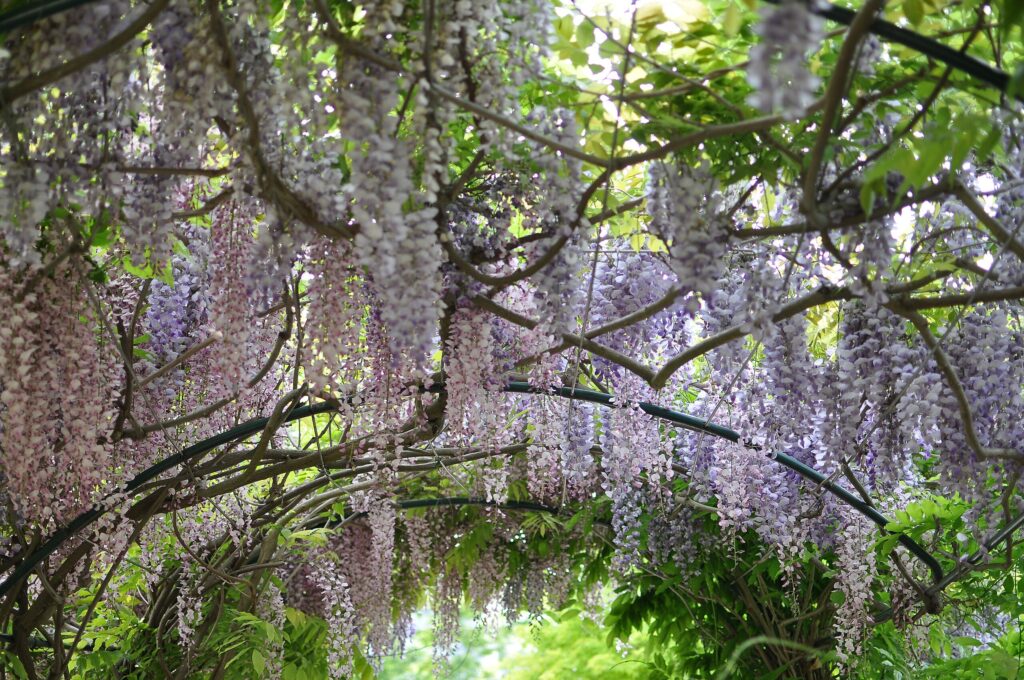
[700, 425]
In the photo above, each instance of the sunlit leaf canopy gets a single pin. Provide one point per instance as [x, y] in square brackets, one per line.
[700, 318]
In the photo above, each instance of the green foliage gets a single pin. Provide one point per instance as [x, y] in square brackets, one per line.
[567, 645]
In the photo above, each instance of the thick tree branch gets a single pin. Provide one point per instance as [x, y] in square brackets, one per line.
[818, 297]
[573, 339]
[1000, 233]
[834, 94]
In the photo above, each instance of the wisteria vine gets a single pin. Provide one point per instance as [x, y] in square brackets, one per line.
[310, 309]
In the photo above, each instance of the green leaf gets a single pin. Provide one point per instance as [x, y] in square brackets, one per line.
[914, 11]
[968, 641]
[143, 272]
[295, 617]
[585, 35]
[733, 20]
[1013, 15]
[259, 662]
[564, 27]
[167, 274]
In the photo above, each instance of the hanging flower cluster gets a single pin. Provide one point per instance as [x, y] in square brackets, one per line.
[685, 213]
[230, 310]
[778, 64]
[854, 540]
[56, 442]
[557, 290]
[634, 466]
[475, 407]
[337, 305]
[561, 467]
[395, 242]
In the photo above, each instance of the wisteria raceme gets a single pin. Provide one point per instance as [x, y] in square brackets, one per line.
[381, 517]
[490, 49]
[887, 398]
[794, 381]
[226, 519]
[343, 631]
[515, 346]
[48, 142]
[722, 306]
[148, 220]
[635, 460]
[870, 53]
[284, 169]
[189, 606]
[755, 496]
[401, 251]
[978, 349]
[675, 538]
[475, 407]
[191, 81]
[868, 276]
[685, 213]
[625, 282]
[758, 298]
[271, 609]
[57, 396]
[365, 553]
[230, 310]
[483, 583]
[25, 199]
[396, 245]
[335, 315]
[446, 599]
[738, 475]
[578, 469]
[481, 227]
[854, 540]
[778, 64]
[175, 318]
[560, 464]
[557, 286]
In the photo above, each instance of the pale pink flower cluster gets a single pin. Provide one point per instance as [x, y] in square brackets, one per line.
[857, 573]
[475, 407]
[559, 462]
[376, 606]
[334, 318]
[57, 396]
[738, 474]
[446, 602]
[230, 311]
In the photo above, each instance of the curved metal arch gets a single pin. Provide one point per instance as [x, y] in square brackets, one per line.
[700, 425]
[255, 425]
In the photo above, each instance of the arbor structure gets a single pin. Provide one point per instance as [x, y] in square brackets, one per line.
[319, 313]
